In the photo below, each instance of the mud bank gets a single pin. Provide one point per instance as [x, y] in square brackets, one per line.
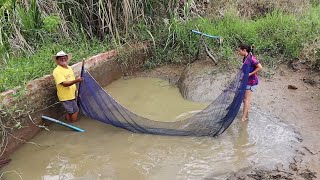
[298, 107]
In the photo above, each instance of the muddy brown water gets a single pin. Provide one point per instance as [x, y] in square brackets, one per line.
[106, 152]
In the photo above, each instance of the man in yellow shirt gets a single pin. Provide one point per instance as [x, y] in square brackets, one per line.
[66, 85]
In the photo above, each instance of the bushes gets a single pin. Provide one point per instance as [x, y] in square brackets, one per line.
[277, 33]
[273, 33]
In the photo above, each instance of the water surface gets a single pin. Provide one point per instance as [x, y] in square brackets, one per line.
[106, 152]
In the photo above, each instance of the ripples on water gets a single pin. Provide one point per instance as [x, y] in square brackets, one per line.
[106, 152]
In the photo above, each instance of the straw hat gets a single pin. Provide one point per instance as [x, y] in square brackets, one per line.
[61, 53]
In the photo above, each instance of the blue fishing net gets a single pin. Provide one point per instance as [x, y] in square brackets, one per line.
[97, 104]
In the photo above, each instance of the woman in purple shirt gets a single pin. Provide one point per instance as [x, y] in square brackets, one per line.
[248, 58]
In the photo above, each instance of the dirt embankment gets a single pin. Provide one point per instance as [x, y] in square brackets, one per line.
[293, 95]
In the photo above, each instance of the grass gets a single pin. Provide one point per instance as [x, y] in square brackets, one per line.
[275, 34]
[20, 70]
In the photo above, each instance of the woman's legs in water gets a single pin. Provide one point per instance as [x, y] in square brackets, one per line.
[246, 105]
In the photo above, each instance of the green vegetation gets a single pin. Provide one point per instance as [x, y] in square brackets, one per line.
[276, 34]
[32, 31]
[20, 70]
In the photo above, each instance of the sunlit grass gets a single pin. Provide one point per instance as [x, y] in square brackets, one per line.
[20, 70]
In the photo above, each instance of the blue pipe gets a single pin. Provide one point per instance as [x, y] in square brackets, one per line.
[207, 35]
[63, 123]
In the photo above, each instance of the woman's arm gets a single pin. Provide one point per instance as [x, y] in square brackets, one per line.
[258, 68]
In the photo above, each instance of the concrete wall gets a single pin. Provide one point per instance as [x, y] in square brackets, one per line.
[41, 93]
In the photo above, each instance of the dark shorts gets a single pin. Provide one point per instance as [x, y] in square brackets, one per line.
[70, 106]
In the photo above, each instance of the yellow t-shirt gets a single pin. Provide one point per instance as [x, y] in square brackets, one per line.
[60, 75]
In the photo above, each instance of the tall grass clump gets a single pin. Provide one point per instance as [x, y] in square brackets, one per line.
[173, 42]
[113, 20]
[38, 26]
[24, 27]
[311, 47]
[280, 33]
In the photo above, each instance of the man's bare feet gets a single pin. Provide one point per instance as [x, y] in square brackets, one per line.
[73, 120]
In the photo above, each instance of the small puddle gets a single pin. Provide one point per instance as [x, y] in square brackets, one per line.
[106, 152]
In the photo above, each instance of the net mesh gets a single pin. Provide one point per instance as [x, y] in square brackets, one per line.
[97, 104]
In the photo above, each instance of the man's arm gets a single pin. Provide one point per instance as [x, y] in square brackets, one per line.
[70, 83]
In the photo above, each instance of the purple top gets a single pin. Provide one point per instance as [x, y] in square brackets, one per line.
[250, 59]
